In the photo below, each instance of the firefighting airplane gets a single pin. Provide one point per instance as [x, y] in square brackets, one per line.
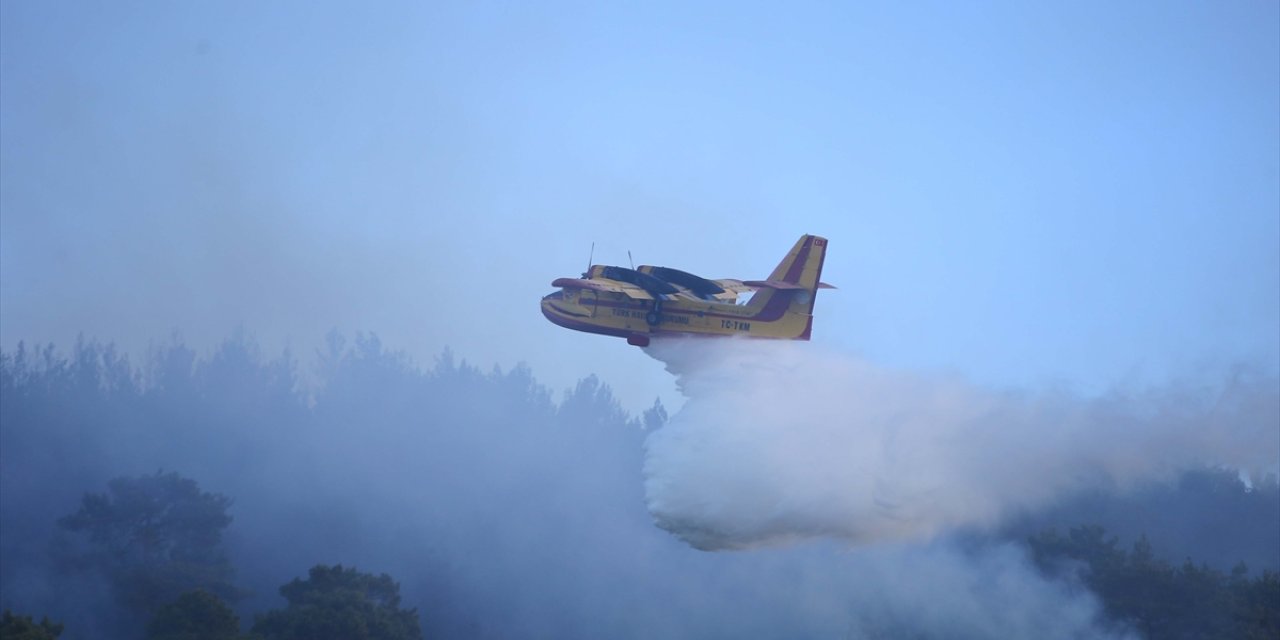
[639, 304]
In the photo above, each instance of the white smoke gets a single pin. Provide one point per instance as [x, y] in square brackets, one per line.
[938, 591]
[780, 441]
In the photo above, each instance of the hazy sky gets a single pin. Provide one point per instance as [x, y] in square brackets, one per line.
[1080, 192]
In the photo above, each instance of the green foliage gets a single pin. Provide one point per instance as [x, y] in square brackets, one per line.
[592, 401]
[196, 615]
[1157, 598]
[337, 602]
[1188, 517]
[1257, 605]
[13, 627]
[153, 538]
[655, 416]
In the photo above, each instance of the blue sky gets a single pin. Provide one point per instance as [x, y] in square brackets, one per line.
[1085, 193]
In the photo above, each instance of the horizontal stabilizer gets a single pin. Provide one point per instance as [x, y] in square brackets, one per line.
[773, 284]
[736, 286]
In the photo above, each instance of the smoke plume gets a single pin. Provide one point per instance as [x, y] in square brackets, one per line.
[781, 441]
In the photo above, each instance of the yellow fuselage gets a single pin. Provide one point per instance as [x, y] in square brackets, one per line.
[654, 301]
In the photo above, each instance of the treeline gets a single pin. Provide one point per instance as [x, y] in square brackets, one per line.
[1160, 599]
[500, 510]
[333, 602]
[155, 541]
[1212, 515]
[373, 462]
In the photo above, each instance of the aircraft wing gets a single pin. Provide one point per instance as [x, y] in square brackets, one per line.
[602, 285]
[736, 286]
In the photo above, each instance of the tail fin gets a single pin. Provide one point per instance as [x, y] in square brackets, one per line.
[803, 264]
[788, 295]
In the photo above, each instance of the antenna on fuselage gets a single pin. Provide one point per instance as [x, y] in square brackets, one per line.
[591, 256]
[633, 262]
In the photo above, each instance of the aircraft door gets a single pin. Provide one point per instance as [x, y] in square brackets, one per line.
[588, 299]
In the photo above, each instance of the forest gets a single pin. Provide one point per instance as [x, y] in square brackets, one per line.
[241, 494]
